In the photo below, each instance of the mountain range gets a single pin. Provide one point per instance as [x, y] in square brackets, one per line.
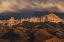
[50, 28]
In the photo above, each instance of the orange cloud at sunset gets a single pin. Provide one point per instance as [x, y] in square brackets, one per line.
[36, 5]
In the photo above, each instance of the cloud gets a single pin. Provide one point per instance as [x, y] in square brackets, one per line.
[35, 5]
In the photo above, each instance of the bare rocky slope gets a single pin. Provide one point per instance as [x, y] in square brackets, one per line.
[51, 30]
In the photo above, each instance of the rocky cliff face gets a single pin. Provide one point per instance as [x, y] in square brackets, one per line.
[51, 18]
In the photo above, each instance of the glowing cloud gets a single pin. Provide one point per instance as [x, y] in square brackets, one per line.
[36, 5]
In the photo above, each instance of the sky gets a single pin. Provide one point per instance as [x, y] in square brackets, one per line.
[28, 8]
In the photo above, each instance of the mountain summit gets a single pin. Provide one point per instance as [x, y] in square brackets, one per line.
[51, 18]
